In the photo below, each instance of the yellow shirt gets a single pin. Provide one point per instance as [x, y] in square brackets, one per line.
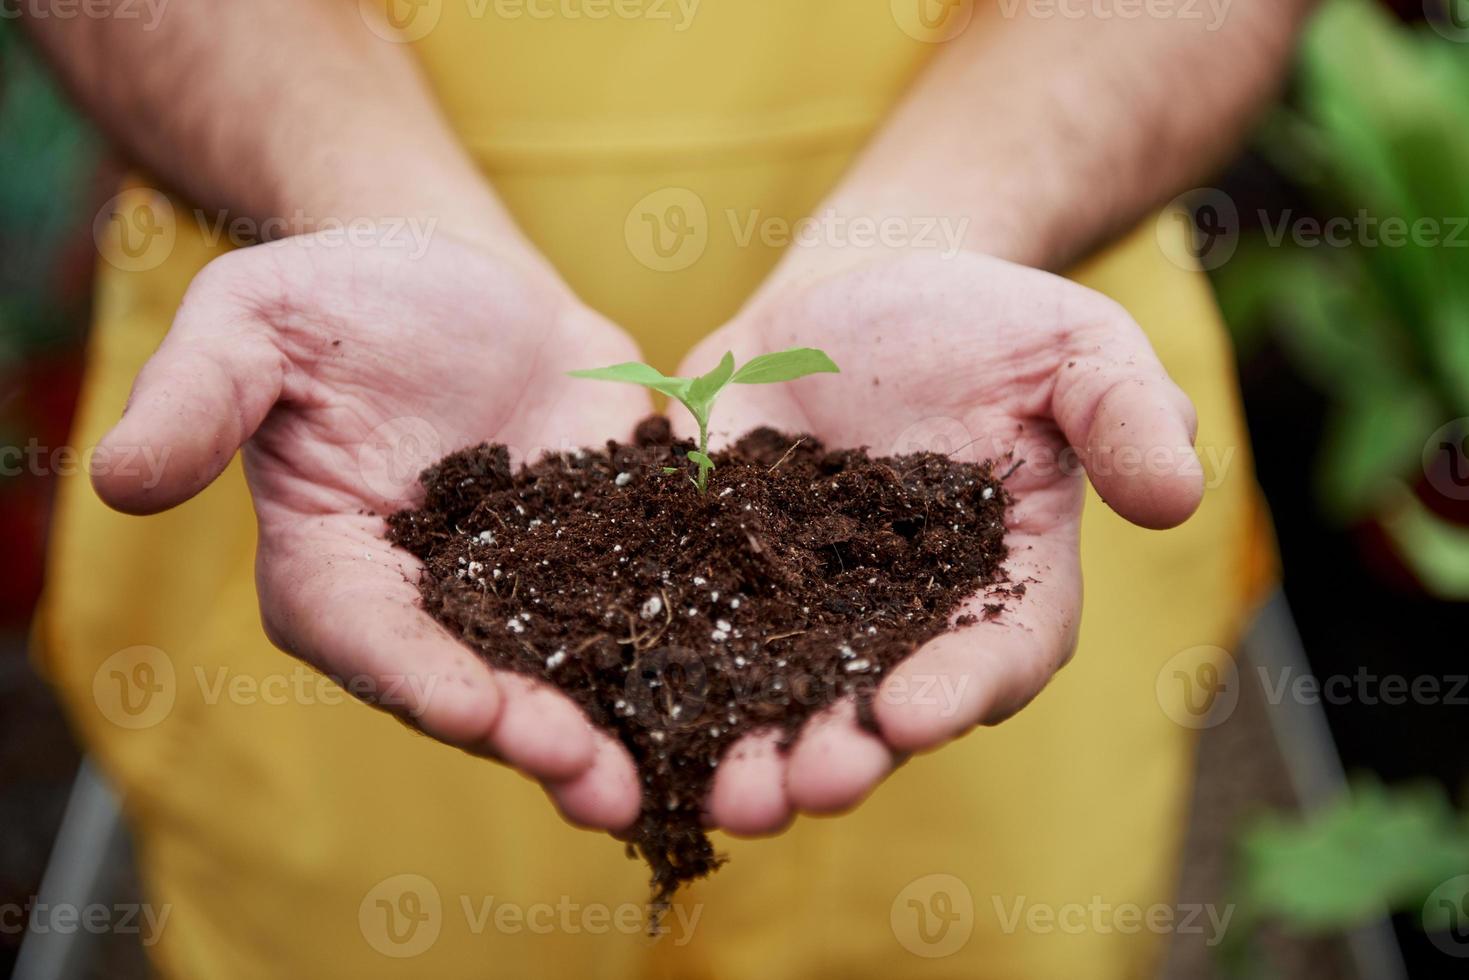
[291, 833]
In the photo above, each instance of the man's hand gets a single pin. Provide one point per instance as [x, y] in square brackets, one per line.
[981, 358]
[342, 371]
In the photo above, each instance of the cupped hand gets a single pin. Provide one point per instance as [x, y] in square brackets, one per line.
[983, 359]
[342, 370]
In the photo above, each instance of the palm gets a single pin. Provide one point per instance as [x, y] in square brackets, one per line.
[981, 359]
[354, 368]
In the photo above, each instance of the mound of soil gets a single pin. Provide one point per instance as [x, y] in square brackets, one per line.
[682, 622]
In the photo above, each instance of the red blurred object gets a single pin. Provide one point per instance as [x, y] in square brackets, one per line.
[38, 403]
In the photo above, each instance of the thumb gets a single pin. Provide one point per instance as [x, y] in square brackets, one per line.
[1132, 425]
[201, 395]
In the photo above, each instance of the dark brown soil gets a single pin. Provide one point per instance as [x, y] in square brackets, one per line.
[682, 622]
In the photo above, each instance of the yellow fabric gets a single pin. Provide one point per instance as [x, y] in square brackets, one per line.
[274, 823]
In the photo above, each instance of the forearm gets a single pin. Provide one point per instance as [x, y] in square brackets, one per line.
[1044, 138]
[273, 109]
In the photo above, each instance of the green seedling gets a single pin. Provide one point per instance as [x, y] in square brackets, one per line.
[698, 394]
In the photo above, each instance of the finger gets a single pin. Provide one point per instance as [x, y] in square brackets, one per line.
[836, 763]
[197, 399]
[1133, 427]
[334, 593]
[984, 673]
[749, 796]
[605, 797]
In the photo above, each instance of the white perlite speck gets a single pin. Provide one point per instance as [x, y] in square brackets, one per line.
[852, 666]
[556, 660]
[987, 493]
[515, 626]
[652, 607]
[623, 479]
[487, 537]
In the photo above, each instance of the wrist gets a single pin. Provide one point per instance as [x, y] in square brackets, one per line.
[857, 227]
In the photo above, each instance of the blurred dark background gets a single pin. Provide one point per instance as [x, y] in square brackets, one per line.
[1354, 362]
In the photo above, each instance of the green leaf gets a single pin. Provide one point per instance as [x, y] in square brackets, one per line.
[705, 388]
[786, 365]
[1374, 850]
[669, 469]
[1435, 550]
[698, 394]
[631, 372]
[1372, 440]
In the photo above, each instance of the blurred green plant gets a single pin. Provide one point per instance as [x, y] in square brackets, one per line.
[1377, 129]
[47, 156]
[1374, 851]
